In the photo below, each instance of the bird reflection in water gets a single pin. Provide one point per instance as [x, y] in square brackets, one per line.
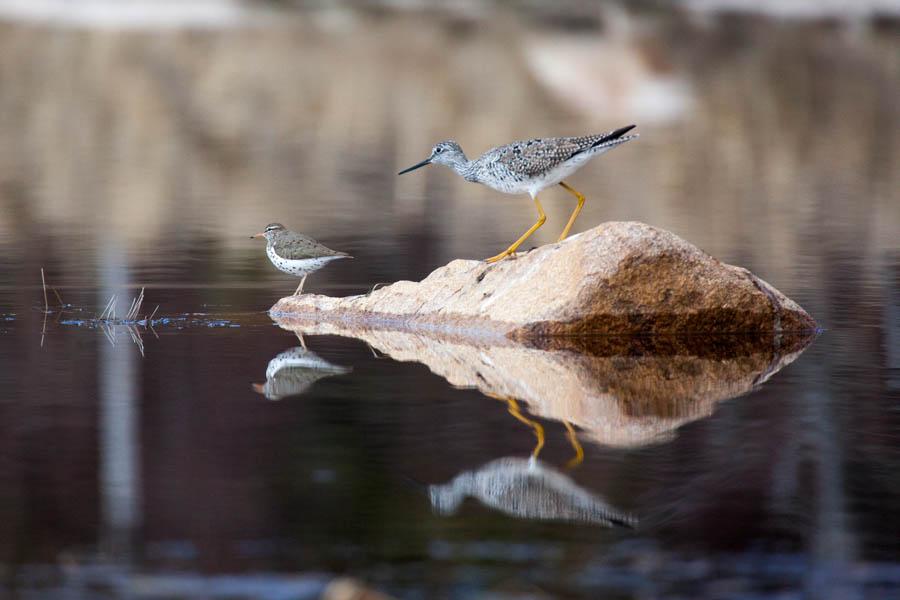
[293, 372]
[529, 488]
[619, 391]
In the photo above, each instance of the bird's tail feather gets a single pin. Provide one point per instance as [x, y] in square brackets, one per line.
[615, 136]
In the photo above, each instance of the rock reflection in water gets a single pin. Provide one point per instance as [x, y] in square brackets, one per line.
[527, 489]
[293, 372]
[622, 391]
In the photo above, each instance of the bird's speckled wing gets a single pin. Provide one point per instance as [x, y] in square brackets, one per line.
[294, 246]
[540, 155]
[533, 157]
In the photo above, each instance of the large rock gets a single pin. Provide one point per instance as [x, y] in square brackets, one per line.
[620, 277]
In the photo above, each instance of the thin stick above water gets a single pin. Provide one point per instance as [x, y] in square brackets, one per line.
[107, 307]
[135, 307]
[44, 285]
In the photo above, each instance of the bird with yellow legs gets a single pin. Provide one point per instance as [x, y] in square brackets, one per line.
[528, 166]
[529, 488]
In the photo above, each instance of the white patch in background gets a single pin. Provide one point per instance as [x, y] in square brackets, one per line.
[801, 9]
[607, 79]
[130, 14]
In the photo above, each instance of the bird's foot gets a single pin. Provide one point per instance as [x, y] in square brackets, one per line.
[375, 287]
[501, 256]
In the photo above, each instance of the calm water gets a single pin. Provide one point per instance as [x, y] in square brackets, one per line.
[712, 467]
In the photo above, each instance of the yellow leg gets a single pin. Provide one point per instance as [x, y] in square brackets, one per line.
[541, 218]
[537, 427]
[579, 451]
[514, 410]
[575, 213]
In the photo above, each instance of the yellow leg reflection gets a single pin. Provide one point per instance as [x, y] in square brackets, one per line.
[537, 427]
[541, 219]
[513, 408]
[302, 341]
[579, 451]
[575, 213]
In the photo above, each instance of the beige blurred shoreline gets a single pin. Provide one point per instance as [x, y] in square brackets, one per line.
[782, 130]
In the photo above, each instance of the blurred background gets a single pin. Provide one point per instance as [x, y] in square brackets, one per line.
[142, 143]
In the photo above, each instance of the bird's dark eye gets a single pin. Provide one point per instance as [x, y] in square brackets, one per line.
[438, 149]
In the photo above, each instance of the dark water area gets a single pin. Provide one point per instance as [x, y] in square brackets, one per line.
[170, 466]
[218, 455]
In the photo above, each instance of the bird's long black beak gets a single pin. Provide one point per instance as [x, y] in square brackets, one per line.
[427, 161]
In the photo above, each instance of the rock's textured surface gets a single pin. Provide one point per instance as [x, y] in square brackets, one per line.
[620, 277]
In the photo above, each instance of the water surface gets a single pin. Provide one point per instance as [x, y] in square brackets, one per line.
[710, 469]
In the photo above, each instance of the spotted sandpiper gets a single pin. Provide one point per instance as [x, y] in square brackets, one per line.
[295, 253]
[528, 166]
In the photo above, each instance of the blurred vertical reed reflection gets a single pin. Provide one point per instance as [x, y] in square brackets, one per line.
[120, 435]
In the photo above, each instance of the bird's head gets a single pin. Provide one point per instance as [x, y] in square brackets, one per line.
[445, 499]
[271, 230]
[447, 153]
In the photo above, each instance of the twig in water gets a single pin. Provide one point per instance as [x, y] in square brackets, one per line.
[135, 307]
[130, 308]
[136, 338]
[104, 328]
[150, 320]
[107, 307]
[44, 285]
[58, 297]
[46, 307]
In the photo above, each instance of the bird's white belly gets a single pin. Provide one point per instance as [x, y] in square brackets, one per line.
[298, 267]
[534, 184]
[510, 187]
[558, 173]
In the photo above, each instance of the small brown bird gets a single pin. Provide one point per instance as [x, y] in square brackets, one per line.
[295, 253]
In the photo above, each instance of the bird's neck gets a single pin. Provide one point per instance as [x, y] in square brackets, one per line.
[460, 163]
